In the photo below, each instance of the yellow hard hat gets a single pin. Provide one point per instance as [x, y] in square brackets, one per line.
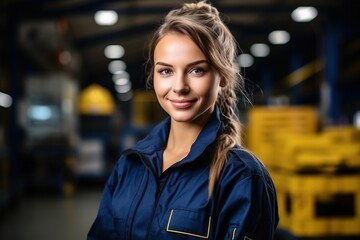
[96, 100]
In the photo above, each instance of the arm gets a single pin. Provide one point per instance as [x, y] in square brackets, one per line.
[247, 208]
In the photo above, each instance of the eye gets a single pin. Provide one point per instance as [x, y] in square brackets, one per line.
[198, 71]
[164, 71]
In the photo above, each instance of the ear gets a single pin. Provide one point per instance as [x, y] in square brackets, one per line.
[223, 82]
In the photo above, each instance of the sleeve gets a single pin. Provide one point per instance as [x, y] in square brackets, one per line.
[248, 209]
[103, 225]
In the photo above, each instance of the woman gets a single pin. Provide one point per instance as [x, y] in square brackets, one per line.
[190, 178]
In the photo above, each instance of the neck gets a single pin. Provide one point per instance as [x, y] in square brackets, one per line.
[182, 136]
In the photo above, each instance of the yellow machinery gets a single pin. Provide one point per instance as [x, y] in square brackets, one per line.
[266, 123]
[316, 173]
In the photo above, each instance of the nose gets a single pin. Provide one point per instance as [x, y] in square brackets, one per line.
[180, 84]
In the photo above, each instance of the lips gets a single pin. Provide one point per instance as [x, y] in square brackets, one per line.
[182, 103]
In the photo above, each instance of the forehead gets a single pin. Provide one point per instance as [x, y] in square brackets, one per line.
[175, 45]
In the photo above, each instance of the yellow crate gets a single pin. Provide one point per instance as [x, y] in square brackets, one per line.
[266, 123]
[297, 152]
[318, 205]
[342, 134]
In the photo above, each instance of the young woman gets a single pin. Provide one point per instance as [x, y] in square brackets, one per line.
[190, 178]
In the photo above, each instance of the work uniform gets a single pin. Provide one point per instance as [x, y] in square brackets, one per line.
[140, 202]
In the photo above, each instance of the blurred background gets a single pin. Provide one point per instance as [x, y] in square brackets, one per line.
[73, 96]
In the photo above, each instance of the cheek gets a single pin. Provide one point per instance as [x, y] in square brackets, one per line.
[157, 86]
[209, 90]
[213, 95]
[160, 87]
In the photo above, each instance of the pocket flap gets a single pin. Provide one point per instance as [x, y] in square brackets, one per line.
[187, 222]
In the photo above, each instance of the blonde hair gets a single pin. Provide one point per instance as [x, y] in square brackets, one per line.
[203, 24]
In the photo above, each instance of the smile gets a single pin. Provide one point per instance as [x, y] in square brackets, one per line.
[182, 103]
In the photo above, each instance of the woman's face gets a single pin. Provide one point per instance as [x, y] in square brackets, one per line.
[185, 84]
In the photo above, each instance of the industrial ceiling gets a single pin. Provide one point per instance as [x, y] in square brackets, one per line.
[34, 33]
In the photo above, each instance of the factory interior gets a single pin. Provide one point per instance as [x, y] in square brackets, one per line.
[73, 97]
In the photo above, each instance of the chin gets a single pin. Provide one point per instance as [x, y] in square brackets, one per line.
[189, 117]
[181, 117]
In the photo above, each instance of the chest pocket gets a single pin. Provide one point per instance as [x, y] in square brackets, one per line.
[189, 223]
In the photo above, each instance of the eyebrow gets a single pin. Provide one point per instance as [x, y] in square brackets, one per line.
[188, 65]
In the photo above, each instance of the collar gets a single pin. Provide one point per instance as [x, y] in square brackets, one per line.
[156, 139]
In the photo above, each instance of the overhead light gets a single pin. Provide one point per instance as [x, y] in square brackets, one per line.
[279, 37]
[121, 81]
[123, 88]
[245, 60]
[117, 66]
[106, 17]
[120, 75]
[5, 100]
[304, 14]
[260, 50]
[114, 51]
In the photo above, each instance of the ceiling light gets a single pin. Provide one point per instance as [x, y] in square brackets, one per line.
[304, 14]
[120, 75]
[117, 66]
[121, 81]
[123, 88]
[106, 17]
[114, 51]
[245, 60]
[279, 37]
[260, 50]
[5, 100]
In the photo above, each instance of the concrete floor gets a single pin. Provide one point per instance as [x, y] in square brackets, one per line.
[51, 218]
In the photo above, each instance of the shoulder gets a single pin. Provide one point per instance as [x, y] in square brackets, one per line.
[241, 159]
[243, 164]
[244, 172]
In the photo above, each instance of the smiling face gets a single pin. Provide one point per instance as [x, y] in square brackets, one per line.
[185, 84]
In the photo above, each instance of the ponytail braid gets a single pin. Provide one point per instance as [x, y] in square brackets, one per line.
[229, 138]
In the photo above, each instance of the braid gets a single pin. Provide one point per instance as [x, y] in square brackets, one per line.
[227, 104]
[230, 137]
